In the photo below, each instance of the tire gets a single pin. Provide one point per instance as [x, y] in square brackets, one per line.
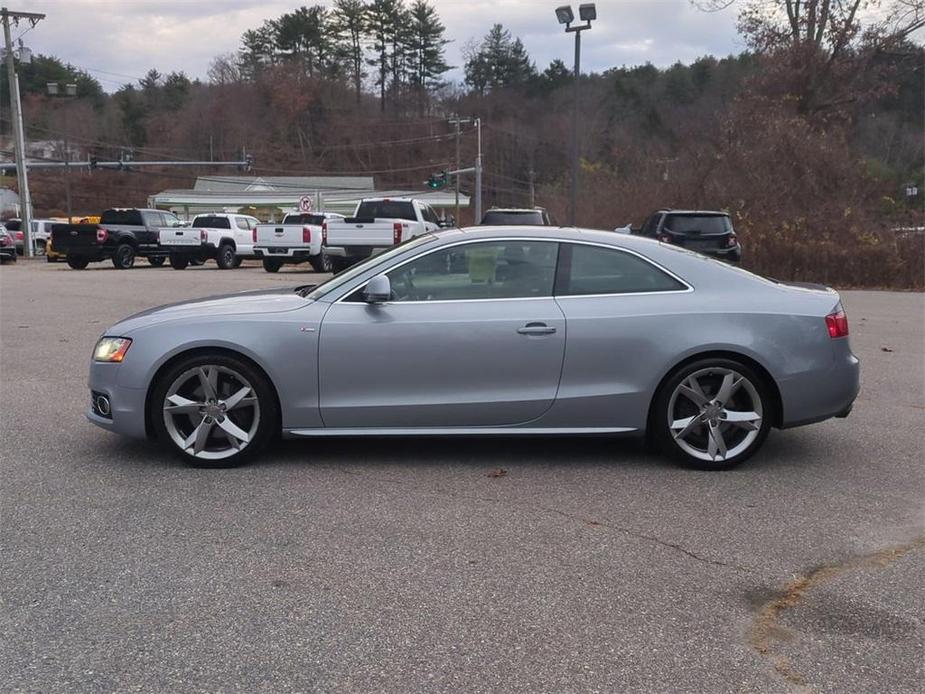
[196, 262]
[237, 261]
[322, 262]
[40, 248]
[179, 262]
[123, 258]
[224, 258]
[156, 260]
[691, 423]
[228, 439]
[77, 263]
[338, 264]
[272, 264]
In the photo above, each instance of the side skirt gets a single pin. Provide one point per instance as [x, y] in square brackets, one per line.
[458, 431]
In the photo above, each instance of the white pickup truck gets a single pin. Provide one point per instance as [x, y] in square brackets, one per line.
[378, 223]
[297, 239]
[226, 238]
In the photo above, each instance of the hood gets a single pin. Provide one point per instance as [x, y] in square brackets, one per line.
[242, 303]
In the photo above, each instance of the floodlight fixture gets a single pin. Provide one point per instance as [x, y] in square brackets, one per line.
[587, 11]
[565, 15]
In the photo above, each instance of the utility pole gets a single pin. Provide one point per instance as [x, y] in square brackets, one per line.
[70, 92]
[458, 166]
[478, 173]
[16, 112]
[532, 188]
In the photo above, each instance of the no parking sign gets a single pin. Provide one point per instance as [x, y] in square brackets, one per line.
[306, 202]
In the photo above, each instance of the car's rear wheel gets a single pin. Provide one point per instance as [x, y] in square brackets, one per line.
[214, 410]
[123, 257]
[224, 258]
[712, 414]
[237, 261]
[77, 263]
[156, 260]
[179, 262]
[272, 264]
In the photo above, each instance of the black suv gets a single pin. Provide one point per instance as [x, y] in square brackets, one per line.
[704, 231]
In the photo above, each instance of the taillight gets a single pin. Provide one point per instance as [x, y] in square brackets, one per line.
[19, 236]
[101, 235]
[731, 241]
[664, 238]
[254, 234]
[324, 233]
[837, 323]
[396, 233]
[306, 234]
[202, 235]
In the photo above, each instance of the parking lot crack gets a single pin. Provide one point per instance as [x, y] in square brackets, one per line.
[766, 630]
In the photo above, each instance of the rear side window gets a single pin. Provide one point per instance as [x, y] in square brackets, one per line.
[125, 217]
[697, 224]
[386, 209]
[595, 270]
[242, 223]
[499, 218]
[212, 222]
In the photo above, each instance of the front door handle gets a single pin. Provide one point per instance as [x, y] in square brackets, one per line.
[536, 329]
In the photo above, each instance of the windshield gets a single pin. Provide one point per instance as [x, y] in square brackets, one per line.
[698, 224]
[316, 219]
[123, 217]
[508, 217]
[326, 288]
[386, 209]
[212, 222]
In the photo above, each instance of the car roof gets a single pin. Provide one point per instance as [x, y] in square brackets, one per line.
[714, 213]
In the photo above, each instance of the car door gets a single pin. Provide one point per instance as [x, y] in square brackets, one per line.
[243, 235]
[471, 338]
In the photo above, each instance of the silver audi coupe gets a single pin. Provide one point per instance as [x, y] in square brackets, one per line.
[487, 331]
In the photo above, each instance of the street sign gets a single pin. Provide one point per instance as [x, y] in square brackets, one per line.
[306, 203]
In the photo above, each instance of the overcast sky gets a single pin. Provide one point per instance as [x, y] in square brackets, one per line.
[117, 41]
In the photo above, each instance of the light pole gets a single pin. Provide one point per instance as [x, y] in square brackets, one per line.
[586, 12]
[70, 92]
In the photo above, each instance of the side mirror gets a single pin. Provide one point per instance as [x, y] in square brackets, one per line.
[377, 290]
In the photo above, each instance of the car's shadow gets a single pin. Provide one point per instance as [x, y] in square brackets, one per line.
[782, 450]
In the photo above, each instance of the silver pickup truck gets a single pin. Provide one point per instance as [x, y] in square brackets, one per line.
[378, 223]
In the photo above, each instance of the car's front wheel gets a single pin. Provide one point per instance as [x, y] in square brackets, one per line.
[123, 258]
[272, 264]
[712, 414]
[225, 256]
[156, 260]
[214, 410]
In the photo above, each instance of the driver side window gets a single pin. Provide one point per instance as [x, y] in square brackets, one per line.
[486, 270]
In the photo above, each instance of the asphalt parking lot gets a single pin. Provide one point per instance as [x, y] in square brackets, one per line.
[534, 565]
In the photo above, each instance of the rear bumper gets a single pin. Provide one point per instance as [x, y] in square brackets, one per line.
[8, 252]
[283, 253]
[817, 396]
[204, 250]
[352, 251]
[732, 254]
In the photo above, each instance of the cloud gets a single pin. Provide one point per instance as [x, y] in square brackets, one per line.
[119, 41]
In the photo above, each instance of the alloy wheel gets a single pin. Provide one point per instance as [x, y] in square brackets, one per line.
[715, 414]
[211, 412]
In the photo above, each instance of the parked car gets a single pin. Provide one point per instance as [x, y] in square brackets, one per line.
[705, 231]
[7, 246]
[504, 216]
[297, 239]
[121, 235]
[377, 224]
[464, 333]
[226, 238]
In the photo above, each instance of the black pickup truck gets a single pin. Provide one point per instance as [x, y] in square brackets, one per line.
[121, 235]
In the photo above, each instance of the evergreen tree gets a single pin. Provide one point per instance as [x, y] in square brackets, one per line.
[382, 28]
[426, 46]
[258, 49]
[349, 21]
[498, 61]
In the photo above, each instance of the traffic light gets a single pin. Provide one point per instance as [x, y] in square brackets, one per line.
[437, 181]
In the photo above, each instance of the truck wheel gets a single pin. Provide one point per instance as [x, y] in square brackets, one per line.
[76, 263]
[321, 262]
[338, 264]
[197, 261]
[237, 261]
[40, 247]
[272, 264]
[156, 260]
[225, 257]
[124, 256]
[178, 262]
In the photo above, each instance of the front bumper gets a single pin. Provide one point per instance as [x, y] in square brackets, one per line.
[127, 405]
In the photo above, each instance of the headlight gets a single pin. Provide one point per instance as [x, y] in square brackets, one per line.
[111, 349]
